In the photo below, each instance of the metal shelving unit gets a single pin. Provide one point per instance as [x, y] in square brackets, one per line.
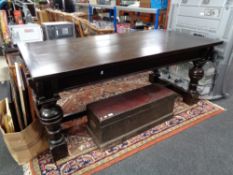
[118, 8]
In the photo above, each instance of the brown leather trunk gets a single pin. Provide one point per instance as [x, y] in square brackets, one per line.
[117, 118]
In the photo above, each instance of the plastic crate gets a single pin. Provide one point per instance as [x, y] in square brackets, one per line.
[159, 4]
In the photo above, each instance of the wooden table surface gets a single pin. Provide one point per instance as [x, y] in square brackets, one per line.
[56, 57]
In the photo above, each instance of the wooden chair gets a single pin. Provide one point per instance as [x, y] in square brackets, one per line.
[42, 16]
[88, 29]
[69, 17]
[78, 27]
[51, 15]
[59, 16]
[80, 15]
[83, 26]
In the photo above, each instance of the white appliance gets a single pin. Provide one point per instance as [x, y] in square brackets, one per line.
[26, 33]
[210, 19]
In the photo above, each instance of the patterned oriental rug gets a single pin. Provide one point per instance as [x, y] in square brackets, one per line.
[86, 158]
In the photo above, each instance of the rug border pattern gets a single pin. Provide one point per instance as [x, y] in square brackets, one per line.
[152, 140]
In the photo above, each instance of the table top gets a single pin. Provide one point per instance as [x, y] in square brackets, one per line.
[49, 58]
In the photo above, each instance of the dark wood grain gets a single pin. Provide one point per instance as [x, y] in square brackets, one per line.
[63, 56]
[116, 118]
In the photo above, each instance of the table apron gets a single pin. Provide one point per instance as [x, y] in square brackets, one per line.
[44, 87]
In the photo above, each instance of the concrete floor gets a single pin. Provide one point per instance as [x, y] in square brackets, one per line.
[205, 149]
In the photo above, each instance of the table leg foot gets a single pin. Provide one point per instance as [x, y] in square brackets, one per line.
[196, 73]
[50, 116]
[154, 77]
[59, 151]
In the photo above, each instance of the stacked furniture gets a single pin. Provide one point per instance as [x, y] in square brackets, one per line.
[82, 25]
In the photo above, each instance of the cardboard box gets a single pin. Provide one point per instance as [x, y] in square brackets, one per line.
[26, 144]
[145, 1]
[145, 5]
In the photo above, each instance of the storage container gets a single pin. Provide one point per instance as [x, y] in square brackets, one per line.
[159, 4]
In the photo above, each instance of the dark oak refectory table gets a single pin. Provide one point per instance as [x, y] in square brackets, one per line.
[62, 64]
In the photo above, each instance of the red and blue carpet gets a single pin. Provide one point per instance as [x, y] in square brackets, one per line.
[86, 158]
